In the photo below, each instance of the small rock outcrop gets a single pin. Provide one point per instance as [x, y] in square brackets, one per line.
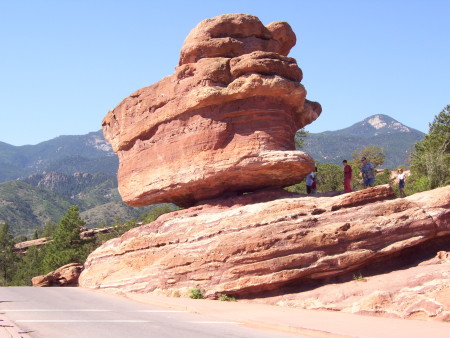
[22, 247]
[262, 241]
[66, 275]
[223, 122]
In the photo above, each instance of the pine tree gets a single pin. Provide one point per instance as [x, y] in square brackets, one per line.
[29, 266]
[7, 255]
[300, 137]
[430, 162]
[66, 247]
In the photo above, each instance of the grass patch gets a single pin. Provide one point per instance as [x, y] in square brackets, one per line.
[359, 278]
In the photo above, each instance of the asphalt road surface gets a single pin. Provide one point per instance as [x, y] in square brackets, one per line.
[83, 313]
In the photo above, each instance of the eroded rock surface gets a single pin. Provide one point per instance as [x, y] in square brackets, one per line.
[262, 241]
[421, 291]
[66, 275]
[223, 122]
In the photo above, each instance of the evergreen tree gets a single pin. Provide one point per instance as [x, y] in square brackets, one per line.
[29, 266]
[7, 255]
[300, 137]
[66, 247]
[430, 162]
[49, 229]
[330, 177]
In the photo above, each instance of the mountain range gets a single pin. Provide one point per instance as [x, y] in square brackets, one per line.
[66, 154]
[38, 183]
[33, 201]
[380, 130]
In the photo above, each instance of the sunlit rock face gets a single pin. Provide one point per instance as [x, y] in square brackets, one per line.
[224, 122]
[262, 241]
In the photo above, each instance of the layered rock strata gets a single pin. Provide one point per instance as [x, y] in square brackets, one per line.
[223, 122]
[421, 291]
[261, 241]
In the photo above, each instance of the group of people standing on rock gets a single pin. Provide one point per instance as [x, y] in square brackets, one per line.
[368, 175]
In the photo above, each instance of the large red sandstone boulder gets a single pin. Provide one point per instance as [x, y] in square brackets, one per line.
[262, 241]
[223, 122]
[66, 275]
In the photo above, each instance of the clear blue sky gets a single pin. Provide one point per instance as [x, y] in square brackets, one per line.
[64, 64]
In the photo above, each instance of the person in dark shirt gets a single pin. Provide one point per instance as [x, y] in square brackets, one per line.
[368, 173]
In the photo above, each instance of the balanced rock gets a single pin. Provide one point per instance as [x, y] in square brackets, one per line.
[262, 241]
[224, 122]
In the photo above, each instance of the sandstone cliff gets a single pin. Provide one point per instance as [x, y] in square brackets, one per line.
[266, 240]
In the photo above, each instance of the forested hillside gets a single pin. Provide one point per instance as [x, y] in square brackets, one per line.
[29, 204]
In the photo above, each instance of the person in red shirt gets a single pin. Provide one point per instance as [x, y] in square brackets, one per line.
[347, 176]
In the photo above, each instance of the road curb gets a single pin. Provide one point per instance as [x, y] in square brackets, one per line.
[197, 308]
[292, 329]
[8, 329]
[307, 323]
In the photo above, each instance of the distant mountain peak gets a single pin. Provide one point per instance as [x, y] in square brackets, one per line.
[378, 124]
[381, 130]
[97, 141]
[383, 121]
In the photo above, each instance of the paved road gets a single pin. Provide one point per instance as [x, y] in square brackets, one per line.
[83, 313]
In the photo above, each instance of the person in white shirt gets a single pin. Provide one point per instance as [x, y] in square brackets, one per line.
[311, 182]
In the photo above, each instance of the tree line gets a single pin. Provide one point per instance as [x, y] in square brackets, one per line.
[66, 246]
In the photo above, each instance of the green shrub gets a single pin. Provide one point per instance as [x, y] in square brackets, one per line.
[383, 177]
[196, 293]
[359, 277]
[225, 298]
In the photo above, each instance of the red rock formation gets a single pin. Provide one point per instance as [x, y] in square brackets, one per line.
[421, 291]
[66, 275]
[262, 241]
[223, 122]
